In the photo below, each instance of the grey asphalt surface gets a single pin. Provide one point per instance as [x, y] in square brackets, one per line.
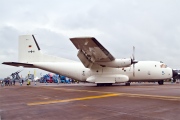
[145, 101]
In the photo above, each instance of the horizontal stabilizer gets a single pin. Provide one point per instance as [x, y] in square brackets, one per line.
[17, 64]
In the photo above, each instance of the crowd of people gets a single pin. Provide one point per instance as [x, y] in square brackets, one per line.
[10, 82]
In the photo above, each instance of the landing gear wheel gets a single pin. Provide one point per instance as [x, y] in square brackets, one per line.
[108, 84]
[104, 84]
[161, 82]
[127, 83]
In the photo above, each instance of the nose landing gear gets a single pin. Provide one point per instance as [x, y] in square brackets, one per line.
[161, 82]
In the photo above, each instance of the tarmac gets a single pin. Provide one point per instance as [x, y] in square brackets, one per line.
[86, 101]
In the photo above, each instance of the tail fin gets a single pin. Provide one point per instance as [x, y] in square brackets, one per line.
[29, 51]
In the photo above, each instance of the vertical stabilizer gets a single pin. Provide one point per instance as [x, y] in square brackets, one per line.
[29, 50]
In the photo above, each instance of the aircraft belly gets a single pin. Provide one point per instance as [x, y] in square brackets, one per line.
[65, 69]
[116, 78]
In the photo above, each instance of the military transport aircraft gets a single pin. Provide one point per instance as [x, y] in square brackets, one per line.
[97, 64]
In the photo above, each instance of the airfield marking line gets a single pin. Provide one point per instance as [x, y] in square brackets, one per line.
[131, 94]
[73, 99]
[153, 96]
[176, 98]
[171, 98]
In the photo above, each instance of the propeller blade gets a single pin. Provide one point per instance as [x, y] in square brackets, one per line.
[133, 61]
[133, 53]
[134, 70]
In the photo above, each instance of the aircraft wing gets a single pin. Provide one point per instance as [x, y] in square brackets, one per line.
[92, 50]
[17, 64]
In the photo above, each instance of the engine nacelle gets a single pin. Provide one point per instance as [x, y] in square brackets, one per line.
[117, 63]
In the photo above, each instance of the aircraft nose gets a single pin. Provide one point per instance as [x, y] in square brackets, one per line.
[174, 73]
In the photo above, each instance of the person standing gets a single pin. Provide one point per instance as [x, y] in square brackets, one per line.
[10, 82]
[28, 82]
[14, 81]
[35, 82]
[20, 81]
[2, 83]
[5, 80]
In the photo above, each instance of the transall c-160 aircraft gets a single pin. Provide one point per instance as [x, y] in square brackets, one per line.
[97, 64]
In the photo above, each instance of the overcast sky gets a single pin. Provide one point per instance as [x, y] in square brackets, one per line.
[152, 26]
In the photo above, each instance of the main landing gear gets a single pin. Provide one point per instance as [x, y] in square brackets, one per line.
[127, 84]
[161, 82]
[104, 84]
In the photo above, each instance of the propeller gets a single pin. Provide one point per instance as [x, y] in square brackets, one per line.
[133, 61]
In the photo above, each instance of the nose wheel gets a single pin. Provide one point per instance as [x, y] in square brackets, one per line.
[161, 82]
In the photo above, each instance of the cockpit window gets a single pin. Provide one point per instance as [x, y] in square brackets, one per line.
[163, 66]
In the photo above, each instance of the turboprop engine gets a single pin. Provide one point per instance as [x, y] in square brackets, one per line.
[117, 63]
